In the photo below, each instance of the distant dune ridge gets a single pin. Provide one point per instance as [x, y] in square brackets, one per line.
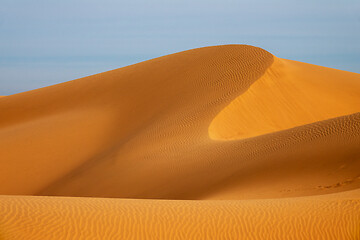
[277, 140]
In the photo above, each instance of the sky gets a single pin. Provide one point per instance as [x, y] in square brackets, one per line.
[44, 42]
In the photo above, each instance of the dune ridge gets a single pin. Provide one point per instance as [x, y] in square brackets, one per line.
[289, 94]
[272, 138]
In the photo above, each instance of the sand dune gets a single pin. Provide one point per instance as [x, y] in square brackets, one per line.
[227, 123]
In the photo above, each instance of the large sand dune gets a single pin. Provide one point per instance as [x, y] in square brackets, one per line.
[231, 123]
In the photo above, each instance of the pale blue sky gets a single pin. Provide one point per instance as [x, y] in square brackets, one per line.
[47, 42]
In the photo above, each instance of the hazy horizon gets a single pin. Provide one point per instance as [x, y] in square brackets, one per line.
[47, 42]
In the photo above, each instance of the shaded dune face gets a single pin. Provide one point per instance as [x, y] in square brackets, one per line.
[156, 130]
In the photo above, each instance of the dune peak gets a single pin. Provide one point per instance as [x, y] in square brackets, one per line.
[288, 95]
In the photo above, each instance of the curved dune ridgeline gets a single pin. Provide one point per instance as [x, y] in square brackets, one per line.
[276, 140]
[289, 94]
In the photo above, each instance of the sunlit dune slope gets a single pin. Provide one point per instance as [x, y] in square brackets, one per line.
[157, 129]
[289, 94]
[334, 217]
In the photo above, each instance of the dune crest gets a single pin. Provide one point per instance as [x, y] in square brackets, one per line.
[289, 94]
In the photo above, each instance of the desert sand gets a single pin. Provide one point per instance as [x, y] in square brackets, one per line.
[221, 142]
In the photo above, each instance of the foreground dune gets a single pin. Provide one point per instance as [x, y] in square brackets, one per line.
[217, 123]
[335, 217]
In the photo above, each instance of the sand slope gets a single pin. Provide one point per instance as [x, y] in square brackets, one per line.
[336, 217]
[289, 94]
[227, 122]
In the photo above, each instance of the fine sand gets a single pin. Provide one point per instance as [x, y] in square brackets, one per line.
[32, 218]
[278, 141]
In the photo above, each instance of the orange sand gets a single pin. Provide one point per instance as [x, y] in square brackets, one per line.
[335, 217]
[229, 122]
